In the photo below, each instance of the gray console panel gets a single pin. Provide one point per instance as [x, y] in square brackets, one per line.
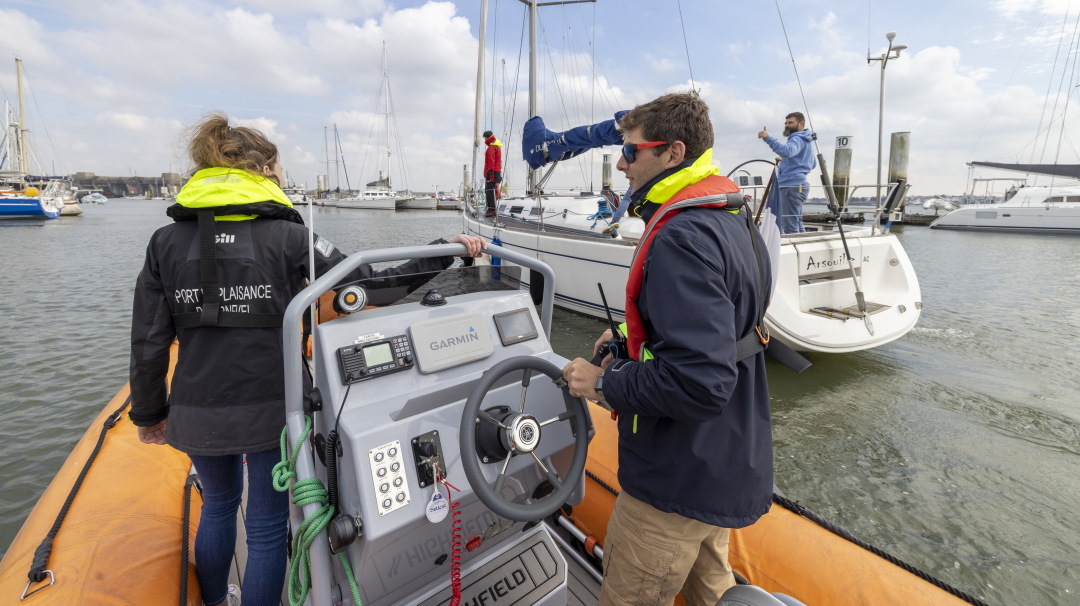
[400, 555]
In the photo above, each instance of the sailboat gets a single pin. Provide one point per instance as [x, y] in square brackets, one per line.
[380, 193]
[835, 292]
[18, 199]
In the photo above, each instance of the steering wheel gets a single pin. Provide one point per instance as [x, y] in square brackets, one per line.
[519, 434]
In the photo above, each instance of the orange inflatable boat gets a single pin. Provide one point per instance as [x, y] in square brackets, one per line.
[119, 543]
[783, 552]
[121, 540]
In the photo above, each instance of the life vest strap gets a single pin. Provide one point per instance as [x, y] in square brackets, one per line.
[211, 313]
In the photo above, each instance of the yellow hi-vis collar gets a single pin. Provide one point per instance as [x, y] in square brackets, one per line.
[670, 185]
[215, 187]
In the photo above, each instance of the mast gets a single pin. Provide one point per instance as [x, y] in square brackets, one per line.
[386, 85]
[22, 117]
[530, 181]
[479, 92]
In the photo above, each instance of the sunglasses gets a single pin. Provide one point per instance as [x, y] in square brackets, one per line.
[628, 151]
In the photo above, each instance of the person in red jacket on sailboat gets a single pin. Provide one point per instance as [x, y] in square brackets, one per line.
[492, 171]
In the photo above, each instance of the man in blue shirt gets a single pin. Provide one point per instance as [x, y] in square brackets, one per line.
[796, 160]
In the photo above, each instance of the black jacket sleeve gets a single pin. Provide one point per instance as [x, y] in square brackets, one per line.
[152, 334]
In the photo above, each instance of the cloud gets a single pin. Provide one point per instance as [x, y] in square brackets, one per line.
[660, 64]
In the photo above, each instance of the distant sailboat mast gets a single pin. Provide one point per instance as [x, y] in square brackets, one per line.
[479, 101]
[22, 117]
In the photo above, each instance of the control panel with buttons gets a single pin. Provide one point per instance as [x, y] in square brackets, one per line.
[388, 477]
[373, 357]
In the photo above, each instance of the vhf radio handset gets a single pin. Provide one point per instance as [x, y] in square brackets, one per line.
[616, 346]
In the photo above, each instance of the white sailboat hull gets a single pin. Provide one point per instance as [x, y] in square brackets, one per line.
[425, 203]
[374, 203]
[813, 307]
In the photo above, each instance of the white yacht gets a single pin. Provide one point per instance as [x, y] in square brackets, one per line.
[814, 304]
[1036, 209]
[370, 198]
[296, 194]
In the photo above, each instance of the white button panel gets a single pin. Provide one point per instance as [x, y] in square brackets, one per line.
[388, 477]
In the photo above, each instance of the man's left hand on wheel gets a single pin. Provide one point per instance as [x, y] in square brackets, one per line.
[580, 376]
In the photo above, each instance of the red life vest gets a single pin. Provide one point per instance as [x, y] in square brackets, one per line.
[709, 186]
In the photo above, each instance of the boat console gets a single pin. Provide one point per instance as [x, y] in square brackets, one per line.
[444, 433]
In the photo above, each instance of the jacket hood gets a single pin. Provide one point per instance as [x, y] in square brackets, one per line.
[493, 141]
[219, 187]
[806, 134]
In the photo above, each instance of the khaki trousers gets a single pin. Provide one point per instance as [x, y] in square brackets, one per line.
[651, 556]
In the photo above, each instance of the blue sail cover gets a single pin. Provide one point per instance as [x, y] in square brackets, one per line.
[541, 146]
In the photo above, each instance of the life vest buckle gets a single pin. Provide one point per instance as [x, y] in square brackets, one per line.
[764, 338]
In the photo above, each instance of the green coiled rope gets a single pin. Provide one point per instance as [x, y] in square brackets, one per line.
[306, 492]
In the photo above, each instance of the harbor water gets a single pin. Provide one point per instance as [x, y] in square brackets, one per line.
[956, 448]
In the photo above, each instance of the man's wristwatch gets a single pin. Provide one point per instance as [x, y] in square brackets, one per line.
[598, 386]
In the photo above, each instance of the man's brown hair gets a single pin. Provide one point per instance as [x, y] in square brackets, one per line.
[674, 117]
[798, 117]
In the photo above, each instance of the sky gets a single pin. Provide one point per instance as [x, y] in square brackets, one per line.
[111, 87]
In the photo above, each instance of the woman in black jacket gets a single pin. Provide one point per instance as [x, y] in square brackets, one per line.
[218, 279]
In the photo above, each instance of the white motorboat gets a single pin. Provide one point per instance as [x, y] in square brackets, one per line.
[94, 198]
[296, 194]
[371, 198]
[1036, 209]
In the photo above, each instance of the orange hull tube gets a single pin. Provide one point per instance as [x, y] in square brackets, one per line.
[782, 552]
[120, 543]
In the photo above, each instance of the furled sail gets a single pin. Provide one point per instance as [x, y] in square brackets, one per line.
[1071, 171]
[541, 146]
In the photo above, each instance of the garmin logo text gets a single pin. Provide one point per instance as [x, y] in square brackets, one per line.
[468, 337]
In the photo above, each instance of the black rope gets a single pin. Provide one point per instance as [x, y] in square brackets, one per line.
[841, 532]
[837, 530]
[41, 555]
[186, 538]
[602, 484]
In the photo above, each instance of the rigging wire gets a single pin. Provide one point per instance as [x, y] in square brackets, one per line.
[555, 81]
[48, 136]
[1068, 94]
[1061, 84]
[1049, 84]
[791, 54]
[993, 109]
[686, 45]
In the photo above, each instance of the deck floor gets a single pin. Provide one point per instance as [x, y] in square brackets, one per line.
[583, 588]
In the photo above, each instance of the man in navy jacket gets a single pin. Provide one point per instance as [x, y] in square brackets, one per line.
[695, 439]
